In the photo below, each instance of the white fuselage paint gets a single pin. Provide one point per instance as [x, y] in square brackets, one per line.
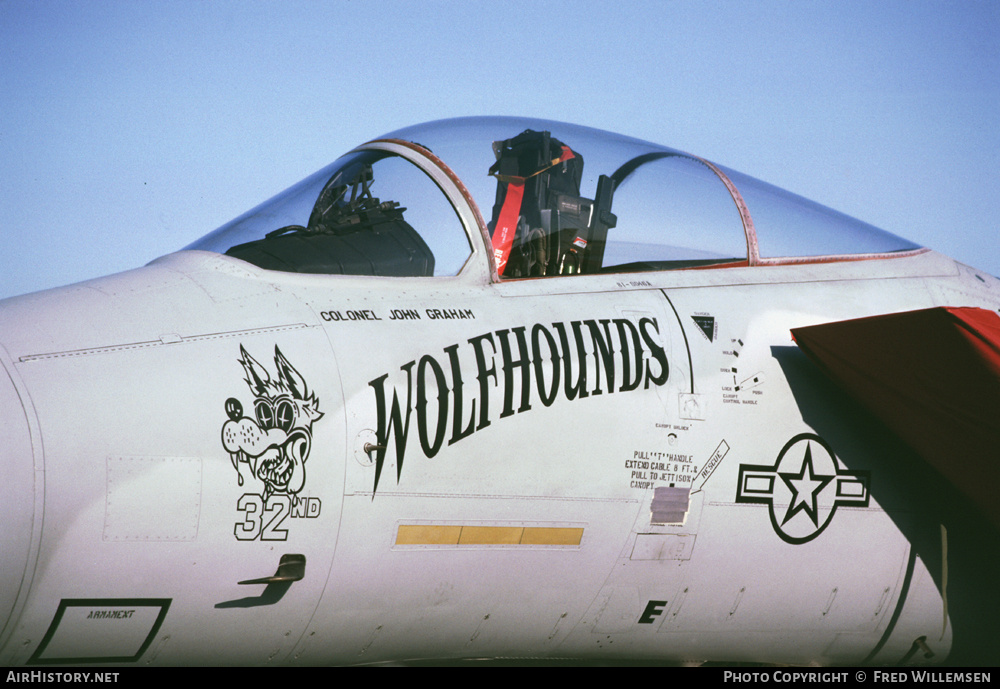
[535, 427]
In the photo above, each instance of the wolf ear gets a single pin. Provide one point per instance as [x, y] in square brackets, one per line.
[257, 377]
[292, 379]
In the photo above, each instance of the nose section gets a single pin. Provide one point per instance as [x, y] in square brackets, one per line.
[17, 498]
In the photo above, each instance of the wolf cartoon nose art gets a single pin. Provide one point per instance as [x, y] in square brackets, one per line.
[274, 445]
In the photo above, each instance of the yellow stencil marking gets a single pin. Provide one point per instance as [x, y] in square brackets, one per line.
[490, 535]
[420, 534]
[534, 535]
[453, 534]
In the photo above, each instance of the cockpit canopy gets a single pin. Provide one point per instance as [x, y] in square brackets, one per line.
[548, 199]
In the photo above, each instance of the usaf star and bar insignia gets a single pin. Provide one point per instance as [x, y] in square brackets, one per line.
[803, 488]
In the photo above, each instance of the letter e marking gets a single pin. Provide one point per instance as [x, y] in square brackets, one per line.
[653, 609]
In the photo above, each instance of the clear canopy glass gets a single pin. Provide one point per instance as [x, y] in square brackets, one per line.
[557, 199]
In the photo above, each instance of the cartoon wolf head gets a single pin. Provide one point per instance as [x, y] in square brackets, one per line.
[275, 444]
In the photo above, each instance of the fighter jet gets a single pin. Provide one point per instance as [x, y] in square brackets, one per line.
[506, 388]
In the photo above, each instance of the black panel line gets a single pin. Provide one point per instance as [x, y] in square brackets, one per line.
[899, 607]
[686, 346]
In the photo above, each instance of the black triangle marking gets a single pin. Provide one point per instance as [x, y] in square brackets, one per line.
[707, 326]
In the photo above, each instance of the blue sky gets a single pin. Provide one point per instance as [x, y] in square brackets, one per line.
[130, 128]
